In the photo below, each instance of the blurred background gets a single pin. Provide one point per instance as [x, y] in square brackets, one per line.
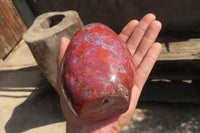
[170, 99]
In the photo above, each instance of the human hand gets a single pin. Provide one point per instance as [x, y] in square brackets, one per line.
[140, 39]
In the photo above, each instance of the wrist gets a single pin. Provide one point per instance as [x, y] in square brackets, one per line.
[71, 128]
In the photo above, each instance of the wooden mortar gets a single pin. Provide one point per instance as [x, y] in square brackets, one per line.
[43, 39]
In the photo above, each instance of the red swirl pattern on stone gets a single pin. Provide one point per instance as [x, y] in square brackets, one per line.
[97, 72]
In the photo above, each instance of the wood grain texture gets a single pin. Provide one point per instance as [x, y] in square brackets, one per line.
[11, 27]
[179, 49]
[180, 59]
[24, 11]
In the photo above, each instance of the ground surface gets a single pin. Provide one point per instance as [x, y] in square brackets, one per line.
[29, 104]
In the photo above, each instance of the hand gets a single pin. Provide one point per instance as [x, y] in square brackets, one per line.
[140, 39]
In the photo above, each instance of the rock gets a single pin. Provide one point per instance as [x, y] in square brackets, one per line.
[97, 73]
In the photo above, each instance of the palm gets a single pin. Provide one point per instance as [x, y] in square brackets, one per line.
[140, 38]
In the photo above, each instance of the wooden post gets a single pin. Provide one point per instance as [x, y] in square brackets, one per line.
[12, 27]
[43, 38]
[25, 11]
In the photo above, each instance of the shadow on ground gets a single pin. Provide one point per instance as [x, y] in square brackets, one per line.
[40, 108]
[24, 77]
[154, 117]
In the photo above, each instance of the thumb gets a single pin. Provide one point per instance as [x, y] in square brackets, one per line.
[64, 42]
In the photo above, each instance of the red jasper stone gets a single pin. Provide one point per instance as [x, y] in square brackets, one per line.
[97, 73]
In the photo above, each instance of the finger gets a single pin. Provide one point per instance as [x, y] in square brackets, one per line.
[146, 42]
[63, 46]
[139, 32]
[142, 74]
[135, 94]
[146, 65]
[128, 29]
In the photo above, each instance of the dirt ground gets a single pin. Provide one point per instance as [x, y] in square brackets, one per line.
[29, 104]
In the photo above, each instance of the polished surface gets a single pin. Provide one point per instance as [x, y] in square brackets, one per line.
[97, 64]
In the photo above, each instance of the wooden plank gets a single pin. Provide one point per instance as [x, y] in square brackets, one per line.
[11, 27]
[180, 49]
[7, 40]
[180, 59]
[24, 11]
[6, 34]
[176, 70]
[16, 17]
[13, 19]
[171, 91]
[4, 47]
[8, 21]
